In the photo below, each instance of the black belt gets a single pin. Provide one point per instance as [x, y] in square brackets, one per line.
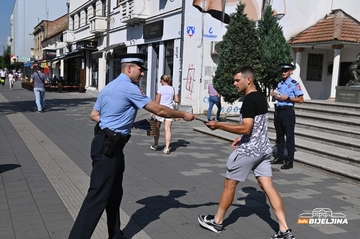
[285, 107]
[113, 140]
[122, 139]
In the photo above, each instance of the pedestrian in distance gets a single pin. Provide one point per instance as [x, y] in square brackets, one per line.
[2, 76]
[166, 96]
[39, 80]
[288, 93]
[252, 153]
[214, 99]
[11, 80]
[114, 111]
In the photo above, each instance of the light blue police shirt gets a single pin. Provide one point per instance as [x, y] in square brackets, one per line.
[118, 103]
[291, 88]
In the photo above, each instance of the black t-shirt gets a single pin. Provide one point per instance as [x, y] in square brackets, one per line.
[255, 144]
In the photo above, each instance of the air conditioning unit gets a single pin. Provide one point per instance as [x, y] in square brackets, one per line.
[215, 47]
[132, 13]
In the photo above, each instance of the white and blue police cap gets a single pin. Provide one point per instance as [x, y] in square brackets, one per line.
[286, 66]
[135, 58]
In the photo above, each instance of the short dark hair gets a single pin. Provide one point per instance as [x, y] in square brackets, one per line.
[245, 70]
[39, 68]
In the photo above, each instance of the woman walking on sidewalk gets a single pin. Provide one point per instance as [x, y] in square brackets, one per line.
[165, 96]
[11, 80]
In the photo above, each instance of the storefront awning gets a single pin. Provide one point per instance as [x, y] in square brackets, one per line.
[72, 55]
[98, 52]
[113, 46]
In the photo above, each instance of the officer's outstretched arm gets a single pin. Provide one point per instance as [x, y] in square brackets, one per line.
[166, 112]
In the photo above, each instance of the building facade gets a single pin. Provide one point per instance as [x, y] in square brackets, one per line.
[25, 16]
[181, 38]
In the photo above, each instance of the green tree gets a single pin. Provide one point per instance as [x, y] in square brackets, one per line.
[240, 46]
[5, 58]
[274, 50]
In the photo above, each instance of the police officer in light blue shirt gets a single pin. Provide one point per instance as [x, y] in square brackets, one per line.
[115, 111]
[288, 93]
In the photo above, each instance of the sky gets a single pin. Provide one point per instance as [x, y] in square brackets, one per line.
[6, 10]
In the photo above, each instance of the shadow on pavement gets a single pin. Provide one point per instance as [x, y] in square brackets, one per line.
[8, 167]
[50, 105]
[178, 144]
[254, 203]
[153, 207]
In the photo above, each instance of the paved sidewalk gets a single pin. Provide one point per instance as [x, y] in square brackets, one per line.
[45, 167]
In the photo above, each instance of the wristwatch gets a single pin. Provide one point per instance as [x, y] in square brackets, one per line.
[288, 99]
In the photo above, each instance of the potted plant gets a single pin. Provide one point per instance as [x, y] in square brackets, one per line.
[81, 88]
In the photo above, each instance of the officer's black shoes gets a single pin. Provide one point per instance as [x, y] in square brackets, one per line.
[287, 165]
[277, 161]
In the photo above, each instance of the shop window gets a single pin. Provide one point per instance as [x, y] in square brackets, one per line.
[117, 67]
[314, 67]
[169, 57]
[95, 73]
[143, 49]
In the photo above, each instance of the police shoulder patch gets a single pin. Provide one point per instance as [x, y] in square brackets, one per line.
[293, 81]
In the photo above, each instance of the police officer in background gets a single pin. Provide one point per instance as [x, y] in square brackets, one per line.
[288, 93]
[115, 110]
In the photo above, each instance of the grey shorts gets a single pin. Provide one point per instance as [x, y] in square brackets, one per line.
[239, 166]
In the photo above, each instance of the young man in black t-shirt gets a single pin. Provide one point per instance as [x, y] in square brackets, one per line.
[252, 153]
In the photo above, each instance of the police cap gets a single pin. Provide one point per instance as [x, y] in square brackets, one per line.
[286, 66]
[135, 58]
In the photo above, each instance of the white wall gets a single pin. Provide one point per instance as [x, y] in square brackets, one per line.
[198, 63]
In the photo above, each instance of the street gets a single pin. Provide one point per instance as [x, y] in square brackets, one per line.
[45, 166]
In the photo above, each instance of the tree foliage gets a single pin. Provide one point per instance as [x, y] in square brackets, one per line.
[5, 58]
[274, 50]
[240, 46]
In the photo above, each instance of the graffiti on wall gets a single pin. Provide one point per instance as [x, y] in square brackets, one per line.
[189, 86]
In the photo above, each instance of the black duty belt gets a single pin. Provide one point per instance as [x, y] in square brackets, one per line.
[113, 140]
[285, 107]
[122, 139]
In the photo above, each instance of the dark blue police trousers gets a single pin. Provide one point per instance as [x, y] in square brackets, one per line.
[284, 122]
[105, 193]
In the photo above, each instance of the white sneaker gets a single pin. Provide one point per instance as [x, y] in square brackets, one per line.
[166, 151]
[154, 147]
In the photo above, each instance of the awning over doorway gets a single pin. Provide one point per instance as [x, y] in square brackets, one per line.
[72, 55]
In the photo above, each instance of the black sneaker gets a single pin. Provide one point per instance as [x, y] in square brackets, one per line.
[208, 222]
[286, 235]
